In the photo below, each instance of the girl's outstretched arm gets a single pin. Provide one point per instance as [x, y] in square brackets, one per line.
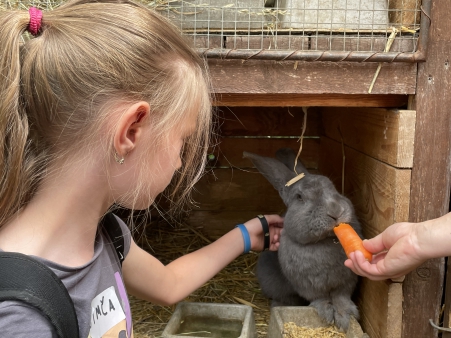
[402, 247]
[147, 278]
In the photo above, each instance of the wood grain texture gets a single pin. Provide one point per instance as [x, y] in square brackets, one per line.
[394, 311]
[380, 306]
[447, 308]
[272, 42]
[271, 77]
[430, 193]
[309, 100]
[264, 121]
[216, 223]
[380, 193]
[236, 190]
[229, 152]
[362, 43]
[387, 135]
[205, 41]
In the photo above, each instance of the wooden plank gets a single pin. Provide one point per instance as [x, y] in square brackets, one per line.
[447, 308]
[230, 150]
[380, 306]
[379, 192]
[386, 135]
[362, 43]
[205, 41]
[236, 190]
[430, 193]
[264, 121]
[308, 100]
[272, 77]
[272, 42]
[394, 313]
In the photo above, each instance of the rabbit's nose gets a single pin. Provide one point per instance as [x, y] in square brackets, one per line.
[334, 210]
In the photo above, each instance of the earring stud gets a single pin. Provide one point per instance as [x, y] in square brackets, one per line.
[118, 159]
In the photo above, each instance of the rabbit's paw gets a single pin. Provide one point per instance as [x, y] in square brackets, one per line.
[325, 309]
[343, 313]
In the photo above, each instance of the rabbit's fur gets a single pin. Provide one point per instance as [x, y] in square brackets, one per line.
[308, 268]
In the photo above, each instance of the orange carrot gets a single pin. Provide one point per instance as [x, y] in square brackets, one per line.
[350, 240]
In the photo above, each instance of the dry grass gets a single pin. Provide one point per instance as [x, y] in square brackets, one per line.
[291, 330]
[236, 284]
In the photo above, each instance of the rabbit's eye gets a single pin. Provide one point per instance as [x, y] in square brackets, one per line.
[299, 197]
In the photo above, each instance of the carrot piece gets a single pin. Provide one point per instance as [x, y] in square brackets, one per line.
[350, 240]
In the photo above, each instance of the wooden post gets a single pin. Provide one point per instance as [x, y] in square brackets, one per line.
[429, 196]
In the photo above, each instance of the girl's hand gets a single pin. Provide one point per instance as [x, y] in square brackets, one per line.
[396, 253]
[255, 229]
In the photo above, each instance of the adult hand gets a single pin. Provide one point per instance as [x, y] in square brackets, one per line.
[396, 252]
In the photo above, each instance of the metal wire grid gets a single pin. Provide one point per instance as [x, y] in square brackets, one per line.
[323, 30]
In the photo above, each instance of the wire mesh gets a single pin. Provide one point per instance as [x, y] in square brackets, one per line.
[325, 30]
[303, 25]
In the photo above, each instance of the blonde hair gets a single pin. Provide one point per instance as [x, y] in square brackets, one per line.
[56, 89]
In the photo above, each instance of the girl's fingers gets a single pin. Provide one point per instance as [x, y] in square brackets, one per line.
[274, 220]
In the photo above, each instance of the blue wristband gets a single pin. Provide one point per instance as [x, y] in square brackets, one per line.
[246, 238]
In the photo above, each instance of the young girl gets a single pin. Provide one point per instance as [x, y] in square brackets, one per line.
[100, 106]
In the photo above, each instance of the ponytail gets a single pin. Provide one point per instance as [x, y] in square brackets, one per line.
[60, 91]
[13, 121]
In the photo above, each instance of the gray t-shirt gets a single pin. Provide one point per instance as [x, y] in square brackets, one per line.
[97, 290]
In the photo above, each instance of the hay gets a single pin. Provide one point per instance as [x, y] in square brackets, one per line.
[291, 330]
[236, 284]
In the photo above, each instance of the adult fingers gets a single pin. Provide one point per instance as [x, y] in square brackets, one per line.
[375, 244]
[366, 269]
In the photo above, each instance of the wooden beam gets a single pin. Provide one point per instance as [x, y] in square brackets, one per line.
[264, 121]
[430, 192]
[272, 77]
[362, 42]
[386, 135]
[309, 100]
[267, 42]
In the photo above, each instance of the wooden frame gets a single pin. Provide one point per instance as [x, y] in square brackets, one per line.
[270, 83]
[430, 192]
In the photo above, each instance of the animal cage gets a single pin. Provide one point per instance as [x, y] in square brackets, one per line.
[302, 30]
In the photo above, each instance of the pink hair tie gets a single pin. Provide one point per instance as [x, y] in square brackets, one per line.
[35, 20]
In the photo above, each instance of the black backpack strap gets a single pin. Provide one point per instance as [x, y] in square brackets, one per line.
[114, 231]
[25, 279]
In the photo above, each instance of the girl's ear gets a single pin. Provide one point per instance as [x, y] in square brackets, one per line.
[130, 128]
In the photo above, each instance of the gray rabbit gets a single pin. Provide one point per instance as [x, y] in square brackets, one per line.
[308, 268]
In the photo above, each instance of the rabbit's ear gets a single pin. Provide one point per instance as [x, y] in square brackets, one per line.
[287, 156]
[273, 170]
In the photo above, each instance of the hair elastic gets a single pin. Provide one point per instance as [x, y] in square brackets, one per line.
[246, 238]
[35, 20]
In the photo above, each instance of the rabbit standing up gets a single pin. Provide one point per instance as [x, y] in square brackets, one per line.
[308, 268]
